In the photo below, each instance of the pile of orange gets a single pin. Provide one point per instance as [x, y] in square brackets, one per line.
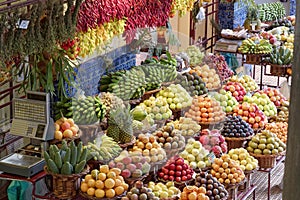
[226, 170]
[104, 183]
[194, 193]
[279, 128]
[205, 110]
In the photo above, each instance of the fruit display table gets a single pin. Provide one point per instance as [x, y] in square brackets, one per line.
[270, 170]
[245, 194]
[33, 180]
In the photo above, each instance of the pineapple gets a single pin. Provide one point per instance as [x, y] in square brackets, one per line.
[120, 125]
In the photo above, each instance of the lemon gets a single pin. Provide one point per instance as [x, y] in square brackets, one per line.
[91, 191]
[109, 183]
[110, 193]
[99, 193]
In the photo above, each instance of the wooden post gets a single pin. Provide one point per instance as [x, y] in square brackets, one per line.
[291, 189]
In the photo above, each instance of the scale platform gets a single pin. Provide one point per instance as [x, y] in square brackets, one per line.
[22, 165]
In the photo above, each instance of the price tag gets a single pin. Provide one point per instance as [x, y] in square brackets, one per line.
[211, 157]
[23, 24]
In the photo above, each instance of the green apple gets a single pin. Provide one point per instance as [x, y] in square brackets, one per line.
[197, 145]
[249, 167]
[201, 164]
[178, 106]
[228, 109]
[155, 110]
[193, 165]
[195, 152]
[189, 148]
[165, 116]
[158, 116]
[169, 100]
[191, 158]
[173, 106]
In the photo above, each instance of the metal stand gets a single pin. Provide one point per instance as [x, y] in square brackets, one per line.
[269, 171]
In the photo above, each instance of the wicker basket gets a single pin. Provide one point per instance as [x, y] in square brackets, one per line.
[128, 145]
[66, 186]
[214, 125]
[86, 196]
[234, 142]
[266, 161]
[148, 94]
[131, 181]
[254, 58]
[179, 185]
[89, 132]
[279, 70]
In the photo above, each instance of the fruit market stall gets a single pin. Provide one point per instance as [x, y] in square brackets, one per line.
[160, 129]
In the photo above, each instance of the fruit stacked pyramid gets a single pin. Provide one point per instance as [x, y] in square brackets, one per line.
[214, 189]
[195, 55]
[279, 128]
[157, 108]
[192, 83]
[169, 138]
[176, 96]
[236, 89]
[193, 192]
[65, 128]
[205, 110]
[138, 191]
[104, 182]
[222, 67]
[276, 97]
[187, 126]
[243, 158]
[266, 143]
[263, 102]
[247, 82]
[235, 126]
[226, 100]
[251, 114]
[120, 125]
[175, 170]
[132, 164]
[164, 190]
[226, 170]
[213, 141]
[150, 148]
[195, 155]
[208, 75]
[282, 116]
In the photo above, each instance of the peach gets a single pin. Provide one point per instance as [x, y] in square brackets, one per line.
[74, 130]
[58, 135]
[70, 121]
[68, 133]
[66, 125]
[57, 126]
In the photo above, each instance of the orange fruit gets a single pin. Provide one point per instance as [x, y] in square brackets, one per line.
[87, 177]
[201, 196]
[192, 196]
[102, 176]
[84, 187]
[110, 193]
[91, 183]
[116, 170]
[99, 193]
[109, 183]
[118, 182]
[125, 186]
[99, 184]
[202, 190]
[111, 174]
[68, 133]
[91, 191]
[119, 190]
[104, 169]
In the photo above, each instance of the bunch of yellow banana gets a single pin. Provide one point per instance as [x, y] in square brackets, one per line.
[182, 6]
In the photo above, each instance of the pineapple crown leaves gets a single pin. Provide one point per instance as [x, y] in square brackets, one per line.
[121, 117]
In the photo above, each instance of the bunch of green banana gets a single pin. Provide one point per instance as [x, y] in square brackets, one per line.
[281, 56]
[106, 151]
[250, 46]
[88, 110]
[271, 11]
[61, 109]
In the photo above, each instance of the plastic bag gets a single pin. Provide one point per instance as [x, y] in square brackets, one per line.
[285, 89]
[19, 190]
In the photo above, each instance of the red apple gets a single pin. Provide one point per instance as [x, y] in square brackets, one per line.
[171, 178]
[179, 161]
[184, 178]
[179, 168]
[166, 177]
[185, 166]
[189, 177]
[165, 170]
[178, 173]
[161, 174]
[178, 179]
[183, 173]
[171, 173]
[252, 114]
[172, 166]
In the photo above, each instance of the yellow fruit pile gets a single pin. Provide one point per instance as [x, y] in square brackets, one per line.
[104, 183]
[227, 170]
[150, 148]
[65, 128]
[193, 192]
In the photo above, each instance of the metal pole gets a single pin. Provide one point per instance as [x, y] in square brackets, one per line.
[291, 187]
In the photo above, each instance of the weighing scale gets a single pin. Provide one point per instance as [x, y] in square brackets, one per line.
[32, 121]
[225, 45]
